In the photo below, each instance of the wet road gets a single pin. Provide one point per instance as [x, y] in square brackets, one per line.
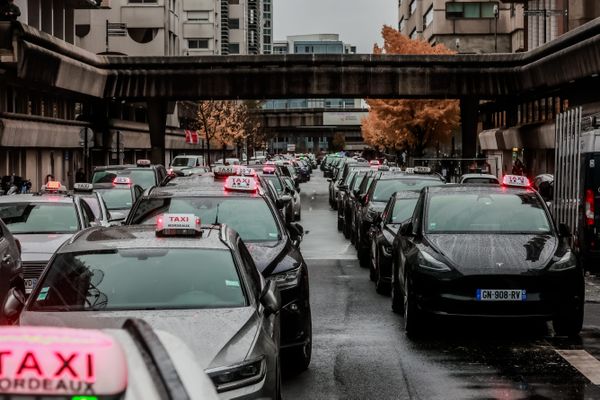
[360, 350]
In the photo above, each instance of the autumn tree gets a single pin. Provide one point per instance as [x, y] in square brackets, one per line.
[412, 124]
[338, 142]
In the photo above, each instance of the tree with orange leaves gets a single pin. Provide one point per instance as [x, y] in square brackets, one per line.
[412, 124]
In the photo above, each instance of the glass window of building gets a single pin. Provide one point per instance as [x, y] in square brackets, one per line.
[428, 17]
[401, 24]
[487, 10]
[234, 2]
[413, 33]
[234, 48]
[143, 1]
[477, 10]
[413, 7]
[234, 23]
[198, 16]
[197, 43]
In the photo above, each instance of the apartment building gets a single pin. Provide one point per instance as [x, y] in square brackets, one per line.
[465, 26]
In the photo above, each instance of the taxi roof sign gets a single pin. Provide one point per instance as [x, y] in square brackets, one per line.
[83, 187]
[143, 163]
[422, 170]
[122, 180]
[241, 184]
[178, 225]
[61, 362]
[244, 171]
[516, 181]
[53, 187]
[222, 171]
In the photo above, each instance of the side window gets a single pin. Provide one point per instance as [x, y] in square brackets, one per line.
[251, 271]
[137, 192]
[88, 215]
[387, 213]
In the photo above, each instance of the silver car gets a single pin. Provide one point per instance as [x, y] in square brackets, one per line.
[204, 289]
[42, 222]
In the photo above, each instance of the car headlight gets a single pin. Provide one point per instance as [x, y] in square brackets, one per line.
[239, 375]
[567, 261]
[287, 279]
[426, 261]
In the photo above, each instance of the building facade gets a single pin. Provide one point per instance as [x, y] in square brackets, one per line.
[465, 26]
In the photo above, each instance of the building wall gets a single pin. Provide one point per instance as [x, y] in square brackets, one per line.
[54, 17]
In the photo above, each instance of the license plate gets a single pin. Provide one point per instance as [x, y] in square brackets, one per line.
[501, 295]
[29, 285]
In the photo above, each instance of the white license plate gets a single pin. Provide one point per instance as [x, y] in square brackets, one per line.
[501, 295]
[29, 285]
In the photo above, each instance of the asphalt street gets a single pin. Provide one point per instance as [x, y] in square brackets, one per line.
[360, 350]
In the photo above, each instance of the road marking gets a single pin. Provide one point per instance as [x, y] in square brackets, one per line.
[584, 362]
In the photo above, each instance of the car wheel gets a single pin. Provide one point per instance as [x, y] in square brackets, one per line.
[363, 257]
[397, 299]
[372, 265]
[381, 287]
[346, 230]
[340, 224]
[299, 356]
[569, 323]
[413, 317]
[278, 388]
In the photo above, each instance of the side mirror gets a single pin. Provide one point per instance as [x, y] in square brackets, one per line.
[407, 229]
[362, 199]
[378, 219]
[269, 298]
[13, 305]
[116, 217]
[283, 200]
[296, 233]
[564, 231]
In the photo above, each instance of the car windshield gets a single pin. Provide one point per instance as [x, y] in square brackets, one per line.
[385, 188]
[250, 217]
[183, 162]
[143, 177]
[117, 199]
[480, 180]
[140, 279]
[486, 212]
[104, 176]
[403, 210]
[43, 217]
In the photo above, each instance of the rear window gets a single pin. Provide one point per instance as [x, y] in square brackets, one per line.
[28, 217]
[104, 176]
[481, 180]
[117, 199]
[250, 217]
[183, 162]
[144, 177]
[385, 188]
[486, 212]
[140, 279]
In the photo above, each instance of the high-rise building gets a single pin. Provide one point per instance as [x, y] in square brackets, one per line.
[464, 25]
[267, 27]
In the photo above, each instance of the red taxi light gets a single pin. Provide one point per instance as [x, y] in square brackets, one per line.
[122, 180]
[143, 163]
[53, 185]
[61, 362]
[589, 207]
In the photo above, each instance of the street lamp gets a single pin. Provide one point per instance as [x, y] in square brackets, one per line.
[496, 16]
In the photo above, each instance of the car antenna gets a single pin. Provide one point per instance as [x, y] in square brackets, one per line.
[217, 215]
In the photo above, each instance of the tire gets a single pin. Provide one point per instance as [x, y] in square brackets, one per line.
[299, 216]
[346, 230]
[569, 323]
[278, 388]
[340, 224]
[381, 287]
[414, 320]
[299, 357]
[372, 266]
[397, 299]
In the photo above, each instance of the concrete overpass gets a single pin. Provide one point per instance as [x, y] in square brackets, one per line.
[564, 67]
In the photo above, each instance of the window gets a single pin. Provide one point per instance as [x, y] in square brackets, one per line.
[117, 199]
[401, 24]
[234, 2]
[198, 16]
[31, 217]
[413, 7]
[234, 48]
[413, 33]
[470, 10]
[143, 1]
[234, 23]
[428, 17]
[197, 43]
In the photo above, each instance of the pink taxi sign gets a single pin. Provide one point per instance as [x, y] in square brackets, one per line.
[178, 225]
[60, 362]
[515, 180]
[241, 184]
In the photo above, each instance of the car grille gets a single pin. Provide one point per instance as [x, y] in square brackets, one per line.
[33, 270]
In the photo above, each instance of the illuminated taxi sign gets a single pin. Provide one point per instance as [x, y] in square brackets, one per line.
[60, 362]
[143, 163]
[224, 171]
[178, 225]
[409, 170]
[246, 172]
[122, 180]
[516, 181]
[53, 187]
[83, 187]
[422, 170]
[269, 169]
[241, 184]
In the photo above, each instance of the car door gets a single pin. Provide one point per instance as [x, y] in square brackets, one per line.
[408, 250]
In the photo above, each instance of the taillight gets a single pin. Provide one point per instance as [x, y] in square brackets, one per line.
[589, 207]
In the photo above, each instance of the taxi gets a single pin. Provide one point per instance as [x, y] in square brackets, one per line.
[143, 173]
[242, 204]
[196, 282]
[94, 199]
[479, 178]
[119, 196]
[41, 222]
[486, 251]
[86, 364]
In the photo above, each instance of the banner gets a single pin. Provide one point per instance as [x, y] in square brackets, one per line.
[192, 137]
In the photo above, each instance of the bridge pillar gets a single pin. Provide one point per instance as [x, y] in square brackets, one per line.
[469, 117]
[157, 124]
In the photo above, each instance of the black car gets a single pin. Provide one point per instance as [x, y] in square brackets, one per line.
[373, 202]
[384, 233]
[353, 205]
[274, 245]
[486, 251]
[345, 166]
[343, 191]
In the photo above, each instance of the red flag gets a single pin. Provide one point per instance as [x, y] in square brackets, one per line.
[191, 137]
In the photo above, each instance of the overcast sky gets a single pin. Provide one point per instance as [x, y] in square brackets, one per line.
[358, 22]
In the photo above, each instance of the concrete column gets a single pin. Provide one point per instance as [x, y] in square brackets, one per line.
[157, 123]
[469, 117]
[512, 114]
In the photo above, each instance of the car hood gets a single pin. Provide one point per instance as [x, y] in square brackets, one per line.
[497, 253]
[274, 257]
[218, 337]
[40, 247]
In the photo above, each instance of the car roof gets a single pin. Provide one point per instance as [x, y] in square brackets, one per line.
[478, 188]
[141, 237]
[466, 176]
[39, 198]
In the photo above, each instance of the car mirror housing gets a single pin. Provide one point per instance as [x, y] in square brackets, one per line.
[283, 200]
[13, 305]
[407, 229]
[269, 298]
[564, 231]
[116, 216]
[296, 233]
